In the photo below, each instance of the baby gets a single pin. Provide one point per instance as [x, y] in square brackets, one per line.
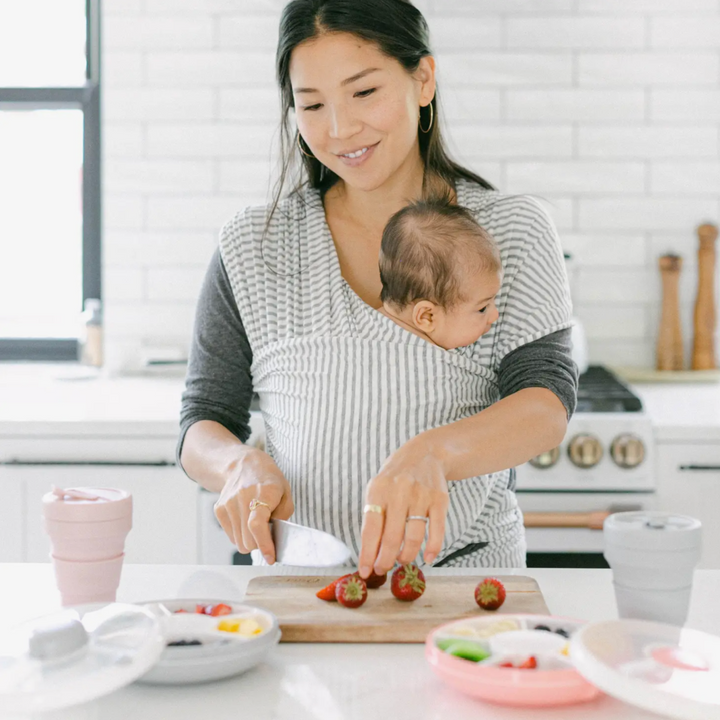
[440, 273]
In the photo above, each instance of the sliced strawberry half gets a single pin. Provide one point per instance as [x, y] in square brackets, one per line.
[328, 593]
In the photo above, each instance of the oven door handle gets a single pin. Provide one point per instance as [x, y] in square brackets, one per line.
[591, 520]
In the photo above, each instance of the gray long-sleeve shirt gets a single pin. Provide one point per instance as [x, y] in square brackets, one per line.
[219, 382]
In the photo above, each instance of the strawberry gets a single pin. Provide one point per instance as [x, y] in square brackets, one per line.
[375, 581]
[351, 591]
[328, 593]
[220, 609]
[529, 664]
[407, 582]
[490, 594]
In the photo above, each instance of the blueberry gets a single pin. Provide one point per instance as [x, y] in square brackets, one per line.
[543, 627]
[562, 632]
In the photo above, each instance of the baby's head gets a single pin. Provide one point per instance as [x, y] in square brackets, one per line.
[440, 272]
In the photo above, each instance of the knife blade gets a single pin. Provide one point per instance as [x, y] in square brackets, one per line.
[306, 547]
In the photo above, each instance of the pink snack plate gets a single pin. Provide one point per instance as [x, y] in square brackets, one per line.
[509, 686]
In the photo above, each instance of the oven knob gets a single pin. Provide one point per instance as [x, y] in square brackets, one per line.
[547, 459]
[585, 451]
[627, 450]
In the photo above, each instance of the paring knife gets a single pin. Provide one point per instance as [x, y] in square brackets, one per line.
[306, 547]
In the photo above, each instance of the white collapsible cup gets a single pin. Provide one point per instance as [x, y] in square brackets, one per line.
[653, 557]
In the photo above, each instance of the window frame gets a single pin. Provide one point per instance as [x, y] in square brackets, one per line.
[87, 99]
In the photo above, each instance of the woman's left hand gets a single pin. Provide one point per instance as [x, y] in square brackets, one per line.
[411, 483]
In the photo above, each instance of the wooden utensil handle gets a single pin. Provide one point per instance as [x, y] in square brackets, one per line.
[591, 520]
[704, 318]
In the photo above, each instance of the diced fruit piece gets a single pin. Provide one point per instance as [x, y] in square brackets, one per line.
[220, 609]
[229, 626]
[243, 626]
[180, 611]
[205, 609]
[506, 664]
[351, 591]
[465, 649]
[529, 664]
[249, 627]
[375, 581]
[328, 593]
[407, 582]
[490, 594]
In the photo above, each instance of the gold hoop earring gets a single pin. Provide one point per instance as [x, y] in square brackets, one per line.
[299, 144]
[432, 118]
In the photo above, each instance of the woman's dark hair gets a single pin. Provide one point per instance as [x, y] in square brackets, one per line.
[427, 248]
[400, 31]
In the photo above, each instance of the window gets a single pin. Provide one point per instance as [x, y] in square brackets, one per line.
[49, 175]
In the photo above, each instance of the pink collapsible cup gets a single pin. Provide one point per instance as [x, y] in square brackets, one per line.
[87, 529]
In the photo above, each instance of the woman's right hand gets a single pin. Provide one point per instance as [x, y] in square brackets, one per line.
[254, 476]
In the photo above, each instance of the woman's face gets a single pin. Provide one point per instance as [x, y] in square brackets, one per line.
[351, 99]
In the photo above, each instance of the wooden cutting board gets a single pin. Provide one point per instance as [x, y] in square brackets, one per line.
[382, 619]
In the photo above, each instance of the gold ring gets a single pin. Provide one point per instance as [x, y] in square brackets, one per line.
[255, 503]
[374, 508]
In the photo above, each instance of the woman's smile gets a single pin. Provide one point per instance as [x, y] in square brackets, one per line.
[358, 157]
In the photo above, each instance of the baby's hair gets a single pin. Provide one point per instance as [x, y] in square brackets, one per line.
[426, 247]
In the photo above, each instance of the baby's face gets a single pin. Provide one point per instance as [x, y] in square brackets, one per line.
[467, 321]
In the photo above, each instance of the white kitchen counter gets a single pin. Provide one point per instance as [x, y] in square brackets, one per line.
[328, 681]
[59, 400]
[35, 403]
[683, 412]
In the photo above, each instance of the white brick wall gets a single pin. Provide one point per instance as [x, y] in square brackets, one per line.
[607, 110]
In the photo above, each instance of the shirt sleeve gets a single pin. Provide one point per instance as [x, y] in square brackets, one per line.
[218, 385]
[546, 362]
[536, 295]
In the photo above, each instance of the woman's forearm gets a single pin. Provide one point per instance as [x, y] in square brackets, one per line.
[210, 452]
[508, 433]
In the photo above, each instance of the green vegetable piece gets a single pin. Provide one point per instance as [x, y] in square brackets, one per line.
[465, 649]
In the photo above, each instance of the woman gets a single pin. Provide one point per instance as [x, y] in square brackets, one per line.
[372, 433]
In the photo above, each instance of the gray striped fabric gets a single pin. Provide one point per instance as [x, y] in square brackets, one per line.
[342, 386]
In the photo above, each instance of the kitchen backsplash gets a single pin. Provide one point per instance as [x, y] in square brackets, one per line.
[609, 110]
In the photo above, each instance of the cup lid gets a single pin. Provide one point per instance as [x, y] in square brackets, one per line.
[86, 504]
[652, 530]
[76, 655]
[663, 668]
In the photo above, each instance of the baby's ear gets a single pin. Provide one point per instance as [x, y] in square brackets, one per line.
[425, 315]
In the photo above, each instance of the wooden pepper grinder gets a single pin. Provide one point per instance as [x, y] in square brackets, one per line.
[703, 354]
[669, 343]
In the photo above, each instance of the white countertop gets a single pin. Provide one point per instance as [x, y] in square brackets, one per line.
[59, 400]
[683, 412]
[329, 681]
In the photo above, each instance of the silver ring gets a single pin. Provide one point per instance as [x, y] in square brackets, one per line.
[417, 517]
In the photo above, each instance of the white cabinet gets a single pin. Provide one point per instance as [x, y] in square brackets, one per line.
[689, 484]
[164, 508]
